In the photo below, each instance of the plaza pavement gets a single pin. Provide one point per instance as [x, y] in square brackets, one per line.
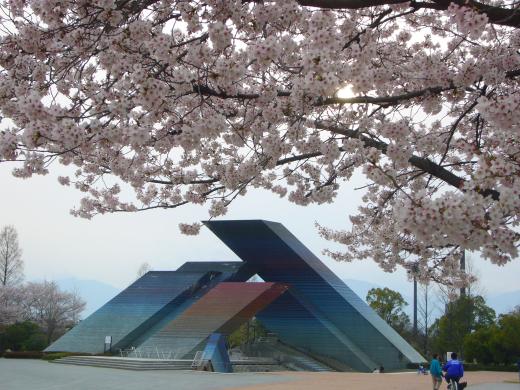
[18, 374]
[22, 374]
[482, 380]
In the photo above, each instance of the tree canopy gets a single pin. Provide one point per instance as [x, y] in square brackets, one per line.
[22, 336]
[463, 316]
[42, 303]
[197, 101]
[497, 343]
[389, 304]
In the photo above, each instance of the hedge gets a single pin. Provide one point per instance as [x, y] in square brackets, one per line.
[490, 367]
[23, 355]
[59, 355]
[39, 355]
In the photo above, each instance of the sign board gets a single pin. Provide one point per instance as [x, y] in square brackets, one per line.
[108, 339]
[448, 356]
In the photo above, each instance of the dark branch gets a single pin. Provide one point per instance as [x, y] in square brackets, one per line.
[347, 4]
[422, 163]
[205, 90]
[384, 100]
[496, 15]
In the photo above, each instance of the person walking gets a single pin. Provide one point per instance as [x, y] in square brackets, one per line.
[436, 372]
[454, 369]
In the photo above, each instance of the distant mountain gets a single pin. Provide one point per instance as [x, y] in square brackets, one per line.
[360, 287]
[95, 293]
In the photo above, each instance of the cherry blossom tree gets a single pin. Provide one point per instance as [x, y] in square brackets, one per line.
[52, 309]
[44, 303]
[12, 308]
[197, 101]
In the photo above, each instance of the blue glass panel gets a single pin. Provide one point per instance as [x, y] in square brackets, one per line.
[216, 352]
[278, 256]
[130, 313]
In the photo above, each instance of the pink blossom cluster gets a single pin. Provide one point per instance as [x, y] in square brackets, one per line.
[190, 229]
[502, 111]
[220, 36]
[469, 21]
[195, 102]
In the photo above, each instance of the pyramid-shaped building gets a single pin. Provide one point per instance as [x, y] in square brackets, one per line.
[302, 302]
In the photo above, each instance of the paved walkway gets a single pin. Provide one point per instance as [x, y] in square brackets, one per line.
[496, 386]
[18, 374]
[22, 374]
[390, 381]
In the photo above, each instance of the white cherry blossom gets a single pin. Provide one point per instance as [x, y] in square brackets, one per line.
[195, 102]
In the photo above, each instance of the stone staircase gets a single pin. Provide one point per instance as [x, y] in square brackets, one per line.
[291, 358]
[308, 364]
[126, 363]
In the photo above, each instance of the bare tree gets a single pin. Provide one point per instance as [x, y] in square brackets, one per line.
[448, 295]
[425, 311]
[143, 269]
[54, 310]
[474, 286]
[448, 292]
[11, 263]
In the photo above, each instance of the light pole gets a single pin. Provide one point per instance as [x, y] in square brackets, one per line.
[414, 305]
[413, 271]
[463, 269]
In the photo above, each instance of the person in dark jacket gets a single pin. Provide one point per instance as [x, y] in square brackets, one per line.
[453, 369]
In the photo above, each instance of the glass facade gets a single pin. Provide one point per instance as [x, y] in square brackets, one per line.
[303, 302]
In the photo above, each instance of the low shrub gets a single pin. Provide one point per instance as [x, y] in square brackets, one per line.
[23, 336]
[59, 355]
[36, 342]
[23, 355]
[490, 367]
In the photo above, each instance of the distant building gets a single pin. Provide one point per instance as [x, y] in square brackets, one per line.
[302, 302]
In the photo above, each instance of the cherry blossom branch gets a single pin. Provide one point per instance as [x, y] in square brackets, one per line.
[454, 128]
[385, 100]
[374, 24]
[496, 15]
[168, 206]
[179, 98]
[422, 163]
[348, 4]
[205, 90]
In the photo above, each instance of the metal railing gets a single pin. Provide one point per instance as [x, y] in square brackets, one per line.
[197, 359]
[148, 353]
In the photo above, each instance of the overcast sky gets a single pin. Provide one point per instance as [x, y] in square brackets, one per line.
[110, 248]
